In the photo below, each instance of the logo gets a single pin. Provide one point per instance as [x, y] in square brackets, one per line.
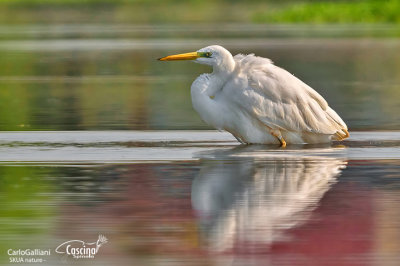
[79, 249]
[28, 255]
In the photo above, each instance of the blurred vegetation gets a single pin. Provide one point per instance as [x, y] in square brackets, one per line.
[199, 11]
[370, 11]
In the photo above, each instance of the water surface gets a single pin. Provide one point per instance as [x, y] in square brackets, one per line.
[102, 77]
[200, 198]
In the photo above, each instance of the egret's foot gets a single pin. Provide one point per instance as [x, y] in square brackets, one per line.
[278, 135]
[282, 141]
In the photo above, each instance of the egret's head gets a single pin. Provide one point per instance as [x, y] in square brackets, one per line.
[214, 55]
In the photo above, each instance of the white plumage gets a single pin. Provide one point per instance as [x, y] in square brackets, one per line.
[258, 102]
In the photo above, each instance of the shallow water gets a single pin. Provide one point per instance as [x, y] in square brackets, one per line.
[200, 198]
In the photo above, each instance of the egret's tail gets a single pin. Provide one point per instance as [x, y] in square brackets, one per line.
[341, 135]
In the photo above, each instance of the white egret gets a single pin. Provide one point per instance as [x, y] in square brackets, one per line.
[258, 102]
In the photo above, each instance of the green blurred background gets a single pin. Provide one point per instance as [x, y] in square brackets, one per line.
[199, 11]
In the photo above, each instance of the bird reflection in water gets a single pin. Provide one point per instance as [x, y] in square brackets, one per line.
[246, 199]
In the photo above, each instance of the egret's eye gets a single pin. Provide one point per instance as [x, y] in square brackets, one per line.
[205, 54]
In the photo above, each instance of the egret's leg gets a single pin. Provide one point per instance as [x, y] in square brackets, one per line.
[239, 139]
[278, 135]
[237, 136]
[282, 141]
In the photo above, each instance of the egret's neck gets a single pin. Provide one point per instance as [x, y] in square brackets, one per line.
[204, 92]
[224, 69]
[217, 79]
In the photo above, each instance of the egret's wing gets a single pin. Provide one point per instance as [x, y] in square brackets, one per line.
[281, 101]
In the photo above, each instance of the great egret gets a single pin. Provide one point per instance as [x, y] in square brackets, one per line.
[258, 102]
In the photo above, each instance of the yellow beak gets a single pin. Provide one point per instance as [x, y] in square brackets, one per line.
[186, 56]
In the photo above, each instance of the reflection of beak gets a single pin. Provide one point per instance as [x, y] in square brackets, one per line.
[187, 56]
